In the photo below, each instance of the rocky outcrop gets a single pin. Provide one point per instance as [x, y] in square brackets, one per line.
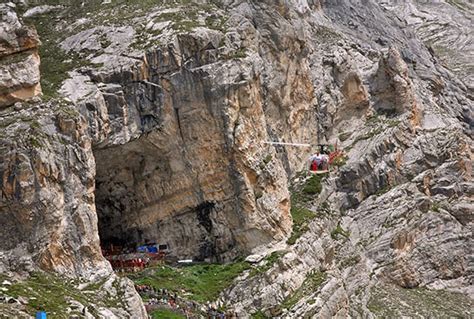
[445, 27]
[111, 297]
[47, 206]
[49, 155]
[186, 124]
[19, 59]
[157, 167]
[380, 229]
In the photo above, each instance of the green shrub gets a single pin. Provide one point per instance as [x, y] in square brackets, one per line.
[265, 161]
[270, 261]
[166, 314]
[351, 261]
[344, 136]
[313, 185]
[383, 190]
[259, 315]
[340, 161]
[339, 231]
[312, 282]
[301, 217]
[435, 207]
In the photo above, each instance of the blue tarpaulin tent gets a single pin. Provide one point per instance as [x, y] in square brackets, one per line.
[142, 249]
[152, 249]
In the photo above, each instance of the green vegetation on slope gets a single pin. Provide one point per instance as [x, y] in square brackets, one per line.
[53, 27]
[55, 63]
[313, 185]
[301, 196]
[202, 282]
[312, 282]
[390, 301]
[301, 218]
[339, 233]
[340, 161]
[166, 314]
[270, 260]
[53, 294]
[258, 315]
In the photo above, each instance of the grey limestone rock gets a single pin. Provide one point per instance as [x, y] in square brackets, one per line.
[159, 135]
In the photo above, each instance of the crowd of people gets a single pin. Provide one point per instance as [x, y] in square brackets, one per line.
[163, 298]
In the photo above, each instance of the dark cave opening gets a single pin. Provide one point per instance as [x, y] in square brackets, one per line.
[140, 202]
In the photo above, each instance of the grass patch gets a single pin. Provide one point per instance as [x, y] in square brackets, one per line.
[393, 123]
[301, 195]
[270, 261]
[369, 135]
[53, 294]
[350, 261]
[435, 207]
[67, 112]
[328, 35]
[301, 217]
[344, 136]
[238, 54]
[35, 142]
[377, 124]
[15, 58]
[339, 233]
[259, 315]
[45, 293]
[203, 282]
[166, 314]
[324, 208]
[265, 161]
[312, 282]
[55, 63]
[313, 185]
[382, 190]
[184, 20]
[373, 119]
[387, 301]
[340, 161]
[216, 23]
[34, 125]
[459, 4]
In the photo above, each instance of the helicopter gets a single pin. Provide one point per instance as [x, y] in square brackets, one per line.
[320, 162]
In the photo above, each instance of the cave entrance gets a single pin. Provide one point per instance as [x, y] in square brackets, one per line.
[147, 202]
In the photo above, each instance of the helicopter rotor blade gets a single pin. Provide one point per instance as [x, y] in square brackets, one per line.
[289, 144]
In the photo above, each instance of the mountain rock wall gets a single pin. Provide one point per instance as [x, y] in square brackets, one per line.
[158, 135]
[19, 59]
[392, 226]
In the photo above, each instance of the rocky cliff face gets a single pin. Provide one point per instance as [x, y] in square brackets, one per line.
[393, 226]
[153, 129]
[177, 161]
[19, 59]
